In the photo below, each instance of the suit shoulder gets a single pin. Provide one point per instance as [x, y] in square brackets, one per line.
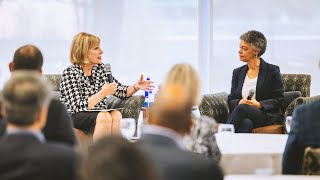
[56, 105]
[273, 67]
[236, 70]
[213, 169]
[57, 147]
[313, 107]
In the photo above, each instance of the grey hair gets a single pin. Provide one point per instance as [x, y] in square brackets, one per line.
[256, 39]
[23, 96]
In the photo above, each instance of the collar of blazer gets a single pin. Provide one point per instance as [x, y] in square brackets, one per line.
[261, 77]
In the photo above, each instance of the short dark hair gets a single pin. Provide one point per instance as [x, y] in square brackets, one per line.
[256, 39]
[27, 57]
[114, 158]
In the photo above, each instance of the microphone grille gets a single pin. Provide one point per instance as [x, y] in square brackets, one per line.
[108, 67]
[251, 92]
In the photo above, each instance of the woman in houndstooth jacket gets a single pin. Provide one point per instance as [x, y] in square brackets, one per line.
[84, 87]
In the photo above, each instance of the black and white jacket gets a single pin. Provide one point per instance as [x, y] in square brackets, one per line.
[76, 88]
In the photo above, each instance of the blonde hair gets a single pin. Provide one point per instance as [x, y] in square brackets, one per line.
[187, 77]
[81, 44]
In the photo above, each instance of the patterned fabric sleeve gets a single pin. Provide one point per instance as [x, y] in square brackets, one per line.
[202, 139]
[121, 90]
[71, 94]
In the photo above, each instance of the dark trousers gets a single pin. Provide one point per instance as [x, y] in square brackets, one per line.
[245, 117]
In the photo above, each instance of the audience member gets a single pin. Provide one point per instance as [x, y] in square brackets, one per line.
[114, 158]
[169, 121]
[2, 121]
[304, 132]
[264, 108]
[201, 139]
[85, 88]
[59, 125]
[24, 153]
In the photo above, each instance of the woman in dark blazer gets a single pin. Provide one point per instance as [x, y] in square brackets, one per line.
[263, 78]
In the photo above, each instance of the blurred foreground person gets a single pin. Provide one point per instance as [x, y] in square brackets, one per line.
[304, 132]
[59, 127]
[169, 121]
[201, 138]
[114, 158]
[24, 153]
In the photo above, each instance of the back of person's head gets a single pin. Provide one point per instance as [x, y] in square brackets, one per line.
[27, 57]
[172, 109]
[114, 158]
[81, 44]
[256, 39]
[186, 76]
[23, 97]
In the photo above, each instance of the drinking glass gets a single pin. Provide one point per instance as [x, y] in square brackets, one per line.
[195, 111]
[127, 127]
[226, 128]
[288, 123]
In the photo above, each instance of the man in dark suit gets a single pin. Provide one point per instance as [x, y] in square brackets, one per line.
[304, 132]
[24, 153]
[169, 121]
[59, 127]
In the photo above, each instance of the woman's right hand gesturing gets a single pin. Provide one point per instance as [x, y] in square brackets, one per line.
[109, 88]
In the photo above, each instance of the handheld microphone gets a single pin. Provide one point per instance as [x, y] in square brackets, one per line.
[108, 71]
[251, 93]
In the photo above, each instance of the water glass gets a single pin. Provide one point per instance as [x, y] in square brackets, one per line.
[288, 123]
[226, 128]
[127, 127]
[196, 112]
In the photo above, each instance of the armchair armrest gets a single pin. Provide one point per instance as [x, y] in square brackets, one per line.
[288, 98]
[299, 101]
[132, 105]
[215, 106]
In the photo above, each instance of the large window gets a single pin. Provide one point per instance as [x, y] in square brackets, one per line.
[137, 36]
[149, 36]
[291, 27]
[48, 24]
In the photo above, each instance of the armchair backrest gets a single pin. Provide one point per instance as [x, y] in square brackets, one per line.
[54, 79]
[215, 106]
[297, 82]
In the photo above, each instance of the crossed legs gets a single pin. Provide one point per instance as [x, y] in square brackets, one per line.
[107, 123]
[245, 117]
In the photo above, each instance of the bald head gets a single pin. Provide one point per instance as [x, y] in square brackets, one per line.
[27, 57]
[172, 109]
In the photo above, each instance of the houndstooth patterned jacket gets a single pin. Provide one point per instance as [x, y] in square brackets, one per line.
[76, 87]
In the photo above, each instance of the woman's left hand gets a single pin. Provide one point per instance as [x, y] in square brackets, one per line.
[253, 102]
[146, 85]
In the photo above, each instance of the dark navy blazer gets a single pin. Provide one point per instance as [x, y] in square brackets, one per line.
[304, 132]
[269, 91]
